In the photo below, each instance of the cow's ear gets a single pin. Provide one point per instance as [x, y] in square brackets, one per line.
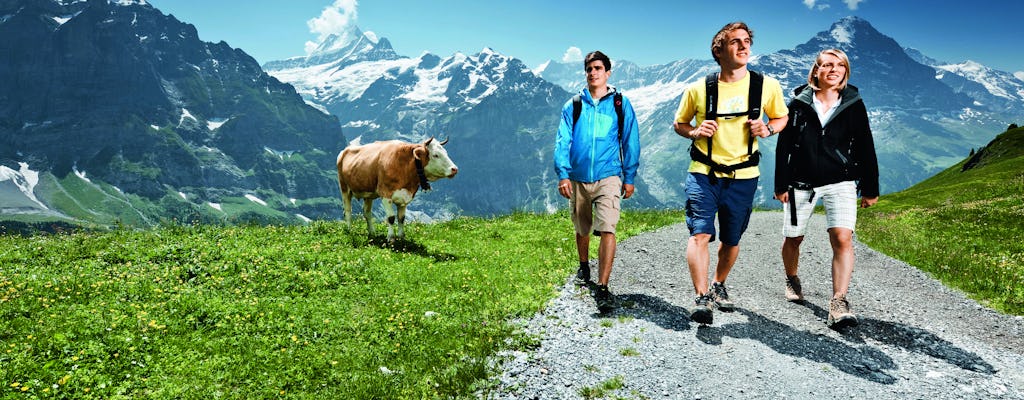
[420, 152]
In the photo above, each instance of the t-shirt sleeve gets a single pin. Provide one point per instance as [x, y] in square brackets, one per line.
[687, 106]
[776, 104]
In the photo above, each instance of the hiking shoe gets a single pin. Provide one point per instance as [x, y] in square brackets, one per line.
[583, 274]
[794, 292]
[702, 310]
[839, 314]
[605, 300]
[721, 297]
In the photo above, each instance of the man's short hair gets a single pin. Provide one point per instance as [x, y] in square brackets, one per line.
[597, 55]
[719, 40]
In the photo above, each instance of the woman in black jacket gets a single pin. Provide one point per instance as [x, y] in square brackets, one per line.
[826, 151]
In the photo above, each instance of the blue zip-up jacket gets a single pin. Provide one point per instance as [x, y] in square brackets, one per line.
[590, 151]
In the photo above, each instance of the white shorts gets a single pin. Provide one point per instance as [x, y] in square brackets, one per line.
[840, 200]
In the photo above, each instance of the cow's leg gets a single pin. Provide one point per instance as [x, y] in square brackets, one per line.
[401, 221]
[402, 198]
[389, 210]
[346, 197]
[368, 215]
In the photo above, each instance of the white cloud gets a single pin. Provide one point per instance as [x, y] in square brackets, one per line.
[852, 4]
[572, 54]
[336, 19]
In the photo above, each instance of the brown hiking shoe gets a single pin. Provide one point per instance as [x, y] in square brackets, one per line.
[839, 314]
[701, 312]
[794, 292]
[720, 297]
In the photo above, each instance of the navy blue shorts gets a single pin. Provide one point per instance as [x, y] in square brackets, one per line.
[731, 199]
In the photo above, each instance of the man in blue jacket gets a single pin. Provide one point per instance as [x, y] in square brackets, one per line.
[597, 153]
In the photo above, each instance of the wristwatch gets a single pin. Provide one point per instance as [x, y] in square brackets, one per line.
[771, 131]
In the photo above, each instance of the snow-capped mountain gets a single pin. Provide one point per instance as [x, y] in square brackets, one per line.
[341, 50]
[114, 111]
[499, 115]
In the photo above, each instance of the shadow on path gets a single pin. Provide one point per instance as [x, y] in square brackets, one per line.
[864, 362]
[912, 339]
[654, 309]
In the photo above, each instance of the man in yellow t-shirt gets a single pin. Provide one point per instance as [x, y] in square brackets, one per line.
[721, 189]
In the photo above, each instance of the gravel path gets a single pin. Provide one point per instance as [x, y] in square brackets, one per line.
[917, 339]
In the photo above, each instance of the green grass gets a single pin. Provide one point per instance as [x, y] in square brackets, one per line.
[315, 311]
[965, 228]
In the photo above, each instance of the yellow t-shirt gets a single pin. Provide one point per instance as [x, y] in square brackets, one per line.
[730, 142]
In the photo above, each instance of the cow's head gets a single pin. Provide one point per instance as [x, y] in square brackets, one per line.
[438, 164]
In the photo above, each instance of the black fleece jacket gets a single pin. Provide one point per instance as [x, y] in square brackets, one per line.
[842, 150]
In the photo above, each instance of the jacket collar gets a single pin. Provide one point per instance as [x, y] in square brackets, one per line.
[585, 94]
[848, 96]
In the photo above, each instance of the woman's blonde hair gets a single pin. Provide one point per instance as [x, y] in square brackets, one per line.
[812, 77]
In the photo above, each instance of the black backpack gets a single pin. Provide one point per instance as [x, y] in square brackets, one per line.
[577, 108]
[711, 107]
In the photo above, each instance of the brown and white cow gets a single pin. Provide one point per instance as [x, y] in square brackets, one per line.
[393, 171]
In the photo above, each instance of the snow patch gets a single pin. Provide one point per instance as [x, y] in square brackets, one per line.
[215, 206]
[361, 124]
[649, 99]
[321, 81]
[430, 88]
[1019, 75]
[185, 114]
[303, 218]
[255, 199]
[80, 174]
[214, 123]
[281, 154]
[183, 196]
[25, 179]
[842, 34]
[539, 70]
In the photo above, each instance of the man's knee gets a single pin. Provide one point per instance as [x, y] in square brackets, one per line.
[700, 239]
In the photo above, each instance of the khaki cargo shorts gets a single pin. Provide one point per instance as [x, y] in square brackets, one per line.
[595, 206]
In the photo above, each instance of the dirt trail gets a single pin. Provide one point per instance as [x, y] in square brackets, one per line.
[917, 339]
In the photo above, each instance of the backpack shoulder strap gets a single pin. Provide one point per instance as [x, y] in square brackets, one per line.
[754, 103]
[711, 96]
[754, 95]
[620, 113]
[577, 108]
[710, 101]
[622, 120]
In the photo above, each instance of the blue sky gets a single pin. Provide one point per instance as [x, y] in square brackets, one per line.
[645, 32]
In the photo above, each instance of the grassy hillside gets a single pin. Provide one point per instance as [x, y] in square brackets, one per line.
[313, 311]
[965, 225]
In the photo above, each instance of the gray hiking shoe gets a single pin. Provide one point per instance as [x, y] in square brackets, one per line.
[839, 314]
[702, 310]
[721, 297]
[794, 292]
